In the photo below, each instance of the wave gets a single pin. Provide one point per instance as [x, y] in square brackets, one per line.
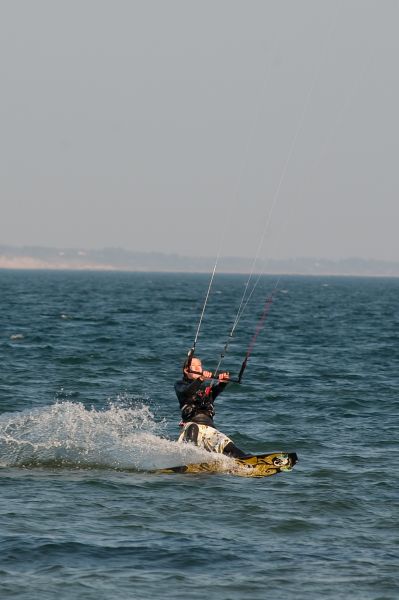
[68, 434]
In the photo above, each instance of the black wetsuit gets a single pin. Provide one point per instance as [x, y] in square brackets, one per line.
[196, 402]
[196, 405]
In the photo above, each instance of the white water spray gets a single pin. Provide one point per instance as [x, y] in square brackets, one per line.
[68, 434]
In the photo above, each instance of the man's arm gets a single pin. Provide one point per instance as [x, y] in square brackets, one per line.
[186, 390]
[218, 388]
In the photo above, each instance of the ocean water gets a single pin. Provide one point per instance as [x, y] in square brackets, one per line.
[87, 410]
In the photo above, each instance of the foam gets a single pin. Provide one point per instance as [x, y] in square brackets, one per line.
[69, 434]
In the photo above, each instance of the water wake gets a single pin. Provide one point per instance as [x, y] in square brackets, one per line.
[68, 434]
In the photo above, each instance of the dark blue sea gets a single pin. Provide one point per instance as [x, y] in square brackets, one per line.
[87, 410]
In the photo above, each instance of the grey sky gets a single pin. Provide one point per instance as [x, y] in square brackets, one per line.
[158, 124]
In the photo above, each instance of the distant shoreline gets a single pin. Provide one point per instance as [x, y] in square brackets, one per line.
[33, 258]
[108, 269]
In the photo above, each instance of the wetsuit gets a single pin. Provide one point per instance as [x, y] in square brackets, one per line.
[196, 405]
[196, 402]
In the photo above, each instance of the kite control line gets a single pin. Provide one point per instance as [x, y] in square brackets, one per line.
[259, 327]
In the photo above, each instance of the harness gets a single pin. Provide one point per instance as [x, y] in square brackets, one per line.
[200, 403]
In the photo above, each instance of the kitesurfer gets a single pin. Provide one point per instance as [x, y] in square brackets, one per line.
[197, 409]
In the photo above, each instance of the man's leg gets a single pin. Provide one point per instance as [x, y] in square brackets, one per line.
[216, 441]
[210, 439]
[189, 434]
[233, 451]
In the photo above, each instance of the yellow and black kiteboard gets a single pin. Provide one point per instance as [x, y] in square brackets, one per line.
[258, 465]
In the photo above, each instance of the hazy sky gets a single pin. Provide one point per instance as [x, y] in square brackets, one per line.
[164, 125]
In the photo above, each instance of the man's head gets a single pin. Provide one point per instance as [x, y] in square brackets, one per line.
[195, 369]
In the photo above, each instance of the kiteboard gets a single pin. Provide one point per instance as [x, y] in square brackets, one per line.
[257, 465]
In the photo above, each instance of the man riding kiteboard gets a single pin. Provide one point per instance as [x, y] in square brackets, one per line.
[197, 408]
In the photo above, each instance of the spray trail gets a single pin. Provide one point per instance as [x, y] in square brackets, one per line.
[68, 434]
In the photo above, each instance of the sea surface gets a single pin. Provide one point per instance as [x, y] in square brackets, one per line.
[87, 410]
